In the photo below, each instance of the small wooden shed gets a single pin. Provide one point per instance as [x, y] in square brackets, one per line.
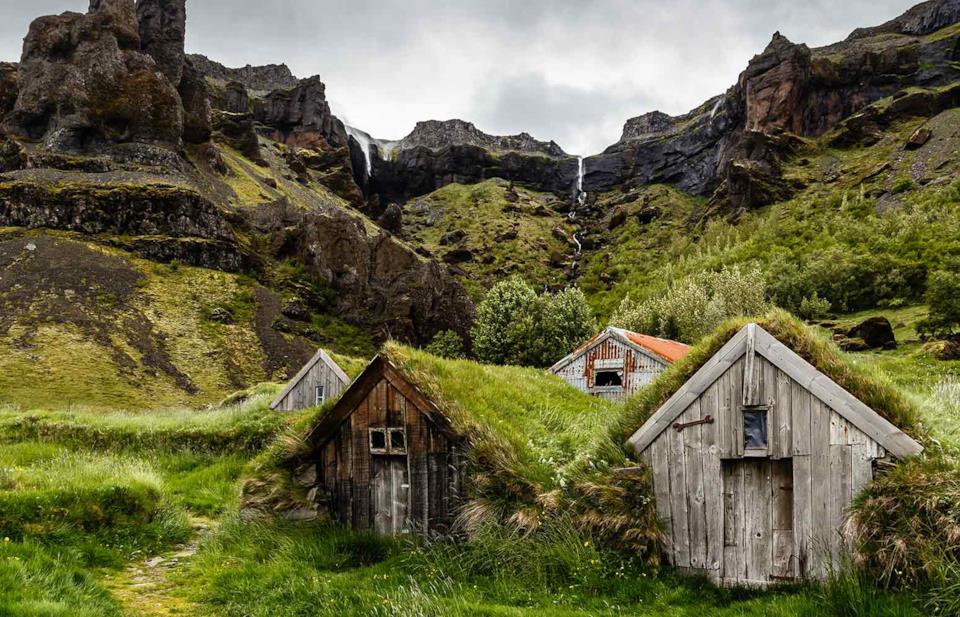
[616, 363]
[387, 458]
[321, 379]
[756, 459]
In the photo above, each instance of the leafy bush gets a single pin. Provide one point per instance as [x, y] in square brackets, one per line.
[696, 305]
[516, 326]
[943, 297]
[813, 307]
[447, 344]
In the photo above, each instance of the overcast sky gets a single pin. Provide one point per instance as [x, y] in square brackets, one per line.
[568, 70]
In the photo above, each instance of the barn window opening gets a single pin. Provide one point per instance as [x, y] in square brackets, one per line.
[378, 440]
[388, 441]
[319, 395]
[398, 440]
[755, 428]
[604, 379]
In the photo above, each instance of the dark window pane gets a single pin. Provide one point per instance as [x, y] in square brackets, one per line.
[608, 378]
[754, 429]
[378, 440]
[397, 440]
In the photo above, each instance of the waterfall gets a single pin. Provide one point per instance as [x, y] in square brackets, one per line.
[366, 142]
[576, 240]
[581, 196]
[716, 108]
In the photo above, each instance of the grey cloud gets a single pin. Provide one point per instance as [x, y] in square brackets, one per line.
[568, 70]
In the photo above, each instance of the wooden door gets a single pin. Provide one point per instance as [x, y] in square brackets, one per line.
[391, 494]
[758, 522]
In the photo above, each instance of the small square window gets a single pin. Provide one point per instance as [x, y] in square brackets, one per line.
[319, 396]
[398, 440]
[755, 428]
[378, 440]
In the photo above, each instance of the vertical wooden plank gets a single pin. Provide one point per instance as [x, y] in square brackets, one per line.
[736, 418]
[731, 531]
[659, 455]
[820, 487]
[768, 396]
[693, 465]
[784, 425]
[802, 514]
[801, 406]
[678, 500]
[713, 485]
[750, 372]
[784, 560]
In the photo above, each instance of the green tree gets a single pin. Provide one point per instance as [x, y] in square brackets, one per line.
[447, 344]
[497, 337]
[943, 296]
[515, 325]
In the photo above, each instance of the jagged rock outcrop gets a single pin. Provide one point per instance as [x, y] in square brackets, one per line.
[437, 134]
[438, 153]
[235, 98]
[84, 83]
[260, 79]
[788, 88]
[163, 29]
[923, 18]
[302, 116]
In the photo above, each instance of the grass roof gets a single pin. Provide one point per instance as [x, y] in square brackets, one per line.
[812, 344]
[524, 421]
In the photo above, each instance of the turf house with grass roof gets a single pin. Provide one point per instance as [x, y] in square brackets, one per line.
[320, 380]
[416, 440]
[757, 452]
[617, 363]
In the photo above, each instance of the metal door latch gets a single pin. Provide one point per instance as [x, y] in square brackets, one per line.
[679, 427]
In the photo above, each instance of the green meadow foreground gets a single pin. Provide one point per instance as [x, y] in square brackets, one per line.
[106, 514]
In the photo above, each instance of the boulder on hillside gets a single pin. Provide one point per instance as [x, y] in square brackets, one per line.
[919, 138]
[876, 333]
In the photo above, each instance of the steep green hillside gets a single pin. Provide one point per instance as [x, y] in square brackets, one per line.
[491, 230]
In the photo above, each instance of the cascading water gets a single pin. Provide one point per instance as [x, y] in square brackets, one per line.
[716, 108]
[581, 197]
[366, 142]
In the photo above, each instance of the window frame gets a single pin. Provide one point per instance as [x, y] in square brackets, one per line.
[319, 394]
[387, 432]
[764, 412]
[620, 373]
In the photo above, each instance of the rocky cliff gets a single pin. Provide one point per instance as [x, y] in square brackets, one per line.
[112, 135]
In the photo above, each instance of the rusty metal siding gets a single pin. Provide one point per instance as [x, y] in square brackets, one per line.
[639, 369]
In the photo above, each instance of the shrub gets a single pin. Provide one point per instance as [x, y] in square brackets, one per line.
[447, 344]
[516, 326]
[696, 305]
[813, 307]
[943, 297]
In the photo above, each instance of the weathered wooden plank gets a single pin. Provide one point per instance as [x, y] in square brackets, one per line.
[768, 397]
[659, 456]
[802, 514]
[784, 413]
[820, 486]
[762, 514]
[750, 369]
[801, 402]
[784, 560]
[736, 417]
[678, 500]
[712, 480]
[732, 521]
[693, 465]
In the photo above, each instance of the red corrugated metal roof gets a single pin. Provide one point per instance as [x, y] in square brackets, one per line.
[671, 350]
[665, 348]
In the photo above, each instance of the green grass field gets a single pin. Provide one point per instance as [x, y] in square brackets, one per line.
[128, 514]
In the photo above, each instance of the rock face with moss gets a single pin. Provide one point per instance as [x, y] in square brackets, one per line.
[439, 153]
[788, 88]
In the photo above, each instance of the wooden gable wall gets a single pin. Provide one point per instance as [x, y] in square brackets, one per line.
[301, 393]
[640, 369]
[830, 460]
[434, 461]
